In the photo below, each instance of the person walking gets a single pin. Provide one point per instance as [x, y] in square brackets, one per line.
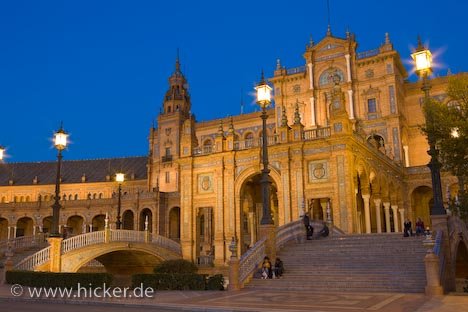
[408, 231]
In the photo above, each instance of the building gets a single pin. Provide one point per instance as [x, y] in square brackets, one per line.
[344, 145]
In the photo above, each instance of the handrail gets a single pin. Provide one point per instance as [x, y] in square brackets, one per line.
[98, 237]
[290, 231]
[29, 263]
[23, 242]
[250, 260]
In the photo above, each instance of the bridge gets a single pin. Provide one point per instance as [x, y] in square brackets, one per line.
[117, 250]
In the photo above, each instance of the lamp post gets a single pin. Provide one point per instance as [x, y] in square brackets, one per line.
[120, 178]
[264, 100]
[423, 60]
[2, 153]
[60, 142]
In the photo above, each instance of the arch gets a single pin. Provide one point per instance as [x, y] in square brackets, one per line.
[3, 228]
[75, 225]
[421, 198]
[47, 224]
[249, 139]
[207, 145]
[128, 220]
[98, 222]
[24, 227]
[174, 223]
[146, 212]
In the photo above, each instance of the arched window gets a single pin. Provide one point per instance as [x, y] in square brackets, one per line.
[76, 196]
[326, 78]
[207, 146]
[249, 139]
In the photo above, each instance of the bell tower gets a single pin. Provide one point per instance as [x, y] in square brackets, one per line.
[166, 138]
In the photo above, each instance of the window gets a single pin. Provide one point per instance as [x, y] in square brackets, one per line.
[391, 92]
[371, 106]
[168, 151]
[168, 177]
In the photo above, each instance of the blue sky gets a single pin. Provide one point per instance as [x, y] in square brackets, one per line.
[102, 66]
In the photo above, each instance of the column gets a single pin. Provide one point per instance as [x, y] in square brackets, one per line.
[91, 227]
[9, 232]
[405, 150]
[348, 66]
[351, 104]
[34, 230]
[14, 231]
[311, 76]
[386, 206]
[402, 217]
[377, 202]
[252, 228]
[395, 217]
[312, 111]
[366, 198]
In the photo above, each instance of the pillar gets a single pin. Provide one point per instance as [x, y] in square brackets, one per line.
[402, 217]
[269, 232]
[387, 216]
[311, 75]
[55, 254]
[9, 232]
[312, 111]
[253, 237]
[233, 267]
[366, 198]
[377, 202]
[14, 231]
[348, 66]
[351, 104]
[406, 153]
[395, 217]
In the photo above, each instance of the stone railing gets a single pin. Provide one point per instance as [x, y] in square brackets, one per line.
[82, 240]
[100, 237]
[319, 133]
[166, 243]
[366, 54]
[295, 70]
[23, 242]
[29, 263]
[288, 232]
[438, 251]
[250, 261]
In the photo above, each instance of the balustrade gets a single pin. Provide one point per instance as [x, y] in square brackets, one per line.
[250, 261]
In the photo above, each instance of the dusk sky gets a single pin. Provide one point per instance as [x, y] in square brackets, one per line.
[102, 66]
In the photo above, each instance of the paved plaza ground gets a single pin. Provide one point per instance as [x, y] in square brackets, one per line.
[245, 300]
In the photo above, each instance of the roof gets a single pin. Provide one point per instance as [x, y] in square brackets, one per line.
[95, 170]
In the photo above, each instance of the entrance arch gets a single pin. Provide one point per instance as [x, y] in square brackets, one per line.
[24, 227]
[47, 224]
[128, 218]
[99, 222]
[75, 225]
[421, 199]
[146, 212]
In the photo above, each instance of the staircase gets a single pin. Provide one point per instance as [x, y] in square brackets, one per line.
[351, 263]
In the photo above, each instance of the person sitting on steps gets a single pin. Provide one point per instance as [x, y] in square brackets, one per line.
[325, 231]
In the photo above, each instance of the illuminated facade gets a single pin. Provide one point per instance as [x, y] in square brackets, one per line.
[344, 145]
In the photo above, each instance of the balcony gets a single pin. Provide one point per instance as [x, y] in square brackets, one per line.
[166, 158]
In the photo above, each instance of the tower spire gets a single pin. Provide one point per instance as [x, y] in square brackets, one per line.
[329, 33]
[177, 64]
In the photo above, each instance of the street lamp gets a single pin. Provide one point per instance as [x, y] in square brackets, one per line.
[2, 153]
[264, 100]
[119, 178]
[423, 62]
[60, 143]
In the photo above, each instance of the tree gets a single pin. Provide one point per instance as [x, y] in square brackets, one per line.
[447, 126]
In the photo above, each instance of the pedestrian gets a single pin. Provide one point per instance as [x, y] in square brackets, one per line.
[408, 231]
[419, 227]
[279, 268]
[308, 227]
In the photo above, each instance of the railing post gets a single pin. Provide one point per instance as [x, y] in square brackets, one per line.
[55, 254]
[233, 267]
[107, 231]
[268, 231]
[431, 262]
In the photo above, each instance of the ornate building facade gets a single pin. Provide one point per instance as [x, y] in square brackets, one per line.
[344, 145]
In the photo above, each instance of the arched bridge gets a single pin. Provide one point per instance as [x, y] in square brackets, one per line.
[110, 247]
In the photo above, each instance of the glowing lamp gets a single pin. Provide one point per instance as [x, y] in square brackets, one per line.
[120, 177]
[263, 93]
[422, 58]
[2, 152]
[60, 139]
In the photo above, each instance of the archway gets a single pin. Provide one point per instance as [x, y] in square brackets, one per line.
[146, 214]
[421, 199]
[3, 228]
[174, 223]
[99, 222]
[128, 222]
[75, 225]
[46, 224]
[251, 209]
[24, 227]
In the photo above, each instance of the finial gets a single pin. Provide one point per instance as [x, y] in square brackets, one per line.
[420, 45]
[297, 116]
[311, 42]
[177, 65]
[242, 101]
[449, 72]
[220, 128]
[262, 79]
[387, 38]
[348, 34]
[284, 118]
[329, 31]
[278, 64]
